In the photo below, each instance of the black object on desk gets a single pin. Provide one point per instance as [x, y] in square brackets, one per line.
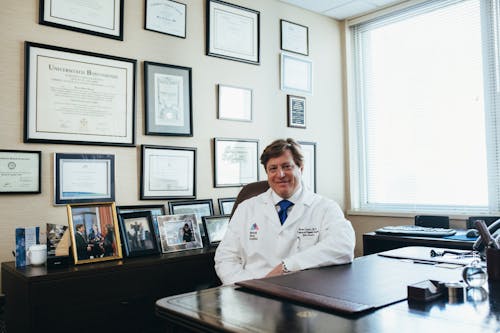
[232, 309]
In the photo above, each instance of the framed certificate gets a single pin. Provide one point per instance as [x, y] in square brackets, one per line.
[236, 162]
[309, 172]
[166, 16]
[20, 171]
[296, 73]
[96, 17]
[168, 172]
[235, 103]
[296, 112]
[78, 97]
[294, 37]
[233, 32]
[83, 178]
[168, 99]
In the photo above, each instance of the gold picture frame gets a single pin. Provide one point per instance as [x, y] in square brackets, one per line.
[94, 232]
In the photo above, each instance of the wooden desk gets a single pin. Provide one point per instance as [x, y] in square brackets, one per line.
[375, 243]
[229, 309]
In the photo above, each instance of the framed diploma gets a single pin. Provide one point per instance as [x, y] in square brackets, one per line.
[236, 162]
[235, 103]
[296, 73]
[96, 17]
[168, 99]
[296, 112]
[20, 171]
[309, 172]
[78, 97]
[294, 37]
[233, 32]
[166, 16]
[168, 172]
[83, 178]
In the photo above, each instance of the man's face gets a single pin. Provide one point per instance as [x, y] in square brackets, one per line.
[283, 175]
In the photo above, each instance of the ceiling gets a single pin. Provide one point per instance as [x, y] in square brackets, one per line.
[342, 9]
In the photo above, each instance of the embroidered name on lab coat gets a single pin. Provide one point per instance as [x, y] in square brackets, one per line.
[253, 232]
[307, 232]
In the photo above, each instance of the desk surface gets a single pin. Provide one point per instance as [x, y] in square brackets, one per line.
[231, 309]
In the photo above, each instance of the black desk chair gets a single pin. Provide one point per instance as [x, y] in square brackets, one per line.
[487, 219]
[250, 190]
[432, 221]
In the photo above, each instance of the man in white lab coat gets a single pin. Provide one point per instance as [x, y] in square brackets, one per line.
[285, 229]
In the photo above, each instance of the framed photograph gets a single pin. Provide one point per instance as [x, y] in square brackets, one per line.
[138, 234]
[155, 210]
[236, 162]
[235, 103]
[233, 32]
[166, 16]
[179, 233]
[20, 171]
[168, 99]
[81, 178]
[198, 207]
[309, 172]
[296, 111]
[216, 227]
[168, 172]
[296, 73]
[102, 18]
[94, 232]
[226, 205]
[294, 37]
[78, 97]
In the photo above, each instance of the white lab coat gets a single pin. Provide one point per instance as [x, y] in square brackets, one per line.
[315, 234]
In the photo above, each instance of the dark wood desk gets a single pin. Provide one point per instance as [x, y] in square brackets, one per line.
[375, 243]
[230, 309]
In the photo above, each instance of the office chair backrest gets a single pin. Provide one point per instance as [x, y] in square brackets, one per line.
[487, 219]
[432, 221]
[248, 191]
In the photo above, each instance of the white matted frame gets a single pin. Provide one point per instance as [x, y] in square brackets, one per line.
[296, 74]
[309, 172]
[179, 233]
[166, 16]
[294, 37]
[233, 32]
[235, 162]
[168, 172]
[78, 97]
[235, 103]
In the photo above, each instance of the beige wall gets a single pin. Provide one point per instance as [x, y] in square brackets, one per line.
[19, 23]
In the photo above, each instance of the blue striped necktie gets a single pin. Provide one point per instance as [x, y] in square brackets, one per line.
[284, 205]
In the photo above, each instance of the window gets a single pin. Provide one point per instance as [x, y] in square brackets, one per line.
[426, 109]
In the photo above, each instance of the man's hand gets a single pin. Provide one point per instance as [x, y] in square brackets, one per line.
[278, 270]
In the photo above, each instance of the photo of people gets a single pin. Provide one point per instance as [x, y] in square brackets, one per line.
[179, 232]
[139, 236]
[94, 231]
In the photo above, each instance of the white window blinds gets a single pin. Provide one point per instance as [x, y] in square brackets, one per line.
[426, 109]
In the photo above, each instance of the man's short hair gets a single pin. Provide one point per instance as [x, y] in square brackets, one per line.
[278, 147]
[78, 226]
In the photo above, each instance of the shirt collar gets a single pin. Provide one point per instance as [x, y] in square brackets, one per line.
[293, 199]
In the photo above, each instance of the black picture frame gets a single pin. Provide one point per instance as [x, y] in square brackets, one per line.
[294, 37]
[199, 207]
[296, 111]
[249, 53]
[161, 162]
[105, 121]
[170, 20]
[20, 171]
[59, 20]
[224, 204]
[232, 154]
[215, 228]
[138, 232]
[174, 117]
[309, 173]
[72, 172]
[155, 210]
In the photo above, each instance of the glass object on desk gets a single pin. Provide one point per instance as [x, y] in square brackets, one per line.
[474, 274]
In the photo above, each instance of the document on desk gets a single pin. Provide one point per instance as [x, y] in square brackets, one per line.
[368, 283]
[422, 254]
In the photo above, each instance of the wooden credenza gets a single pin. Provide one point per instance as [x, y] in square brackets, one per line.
[114, 296]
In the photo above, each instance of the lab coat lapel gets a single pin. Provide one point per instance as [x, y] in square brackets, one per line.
[299, 208]
[269, 210]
